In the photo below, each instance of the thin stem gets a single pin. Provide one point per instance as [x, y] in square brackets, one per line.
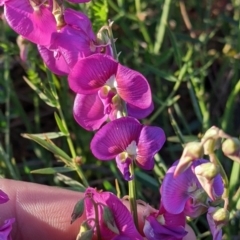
[132, 196]
[162, 26]
[72, 149]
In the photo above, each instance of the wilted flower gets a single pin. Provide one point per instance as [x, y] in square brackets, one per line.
[127, 140]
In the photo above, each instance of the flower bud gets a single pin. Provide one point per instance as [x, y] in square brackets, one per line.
[103, 38]
[231, 148]
[220, 216]
[78, 210]
[211, 139]
[205, 174]
[191, 152]
[109, 220]
[208, 170]
[86, 232]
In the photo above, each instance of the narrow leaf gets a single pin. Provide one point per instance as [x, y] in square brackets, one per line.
[49, 146]
[53, 170]
[60, 124]
[49, 135]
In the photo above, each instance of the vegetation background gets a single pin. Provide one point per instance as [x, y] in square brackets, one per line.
[188, 50]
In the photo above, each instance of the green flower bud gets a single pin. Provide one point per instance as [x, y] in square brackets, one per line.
[191, 152]
[109, 220]
[211, 139]
[86, 232]
[208, 170]
[220, 216]
[231, 149]
[78, 210]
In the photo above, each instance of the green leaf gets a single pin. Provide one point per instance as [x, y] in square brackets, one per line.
[60, 124]
[189, 138]
[47, 98]
[49, 146]
[70, 182]
[53, 170]
[48, 135]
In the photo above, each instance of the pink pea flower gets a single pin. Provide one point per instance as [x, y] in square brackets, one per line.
[30, 18]
[185, 193]
[127, 140]
[100, 83]
[3, 197]
[164, 225]
[73, 41]
[122, 222]
[6, 228]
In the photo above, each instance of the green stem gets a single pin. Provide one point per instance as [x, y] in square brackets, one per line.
[6, 77]
[96, 219]
[162, 26]
[72, 149]
[132, 196]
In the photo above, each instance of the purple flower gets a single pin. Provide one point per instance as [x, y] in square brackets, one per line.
[185, 193]
[6, 229]
[29, 17]
[101, 84]
[127, 140]
[164, 225]
[73, 41]
[122, 219]
[3, 197]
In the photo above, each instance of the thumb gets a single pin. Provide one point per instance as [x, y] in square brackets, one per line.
[41, 212]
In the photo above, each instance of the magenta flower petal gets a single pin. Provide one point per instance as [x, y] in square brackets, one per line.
[150, 142]
[30, 23]
[91, 73]
[133, 88]
[71, 43]
[88, 111]
[3, 197]
[122, 216]
[114, 137]
[174, 190]
[54, 61]
[80, 21]
[6, 228]
[139, 113]
[172, 219]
